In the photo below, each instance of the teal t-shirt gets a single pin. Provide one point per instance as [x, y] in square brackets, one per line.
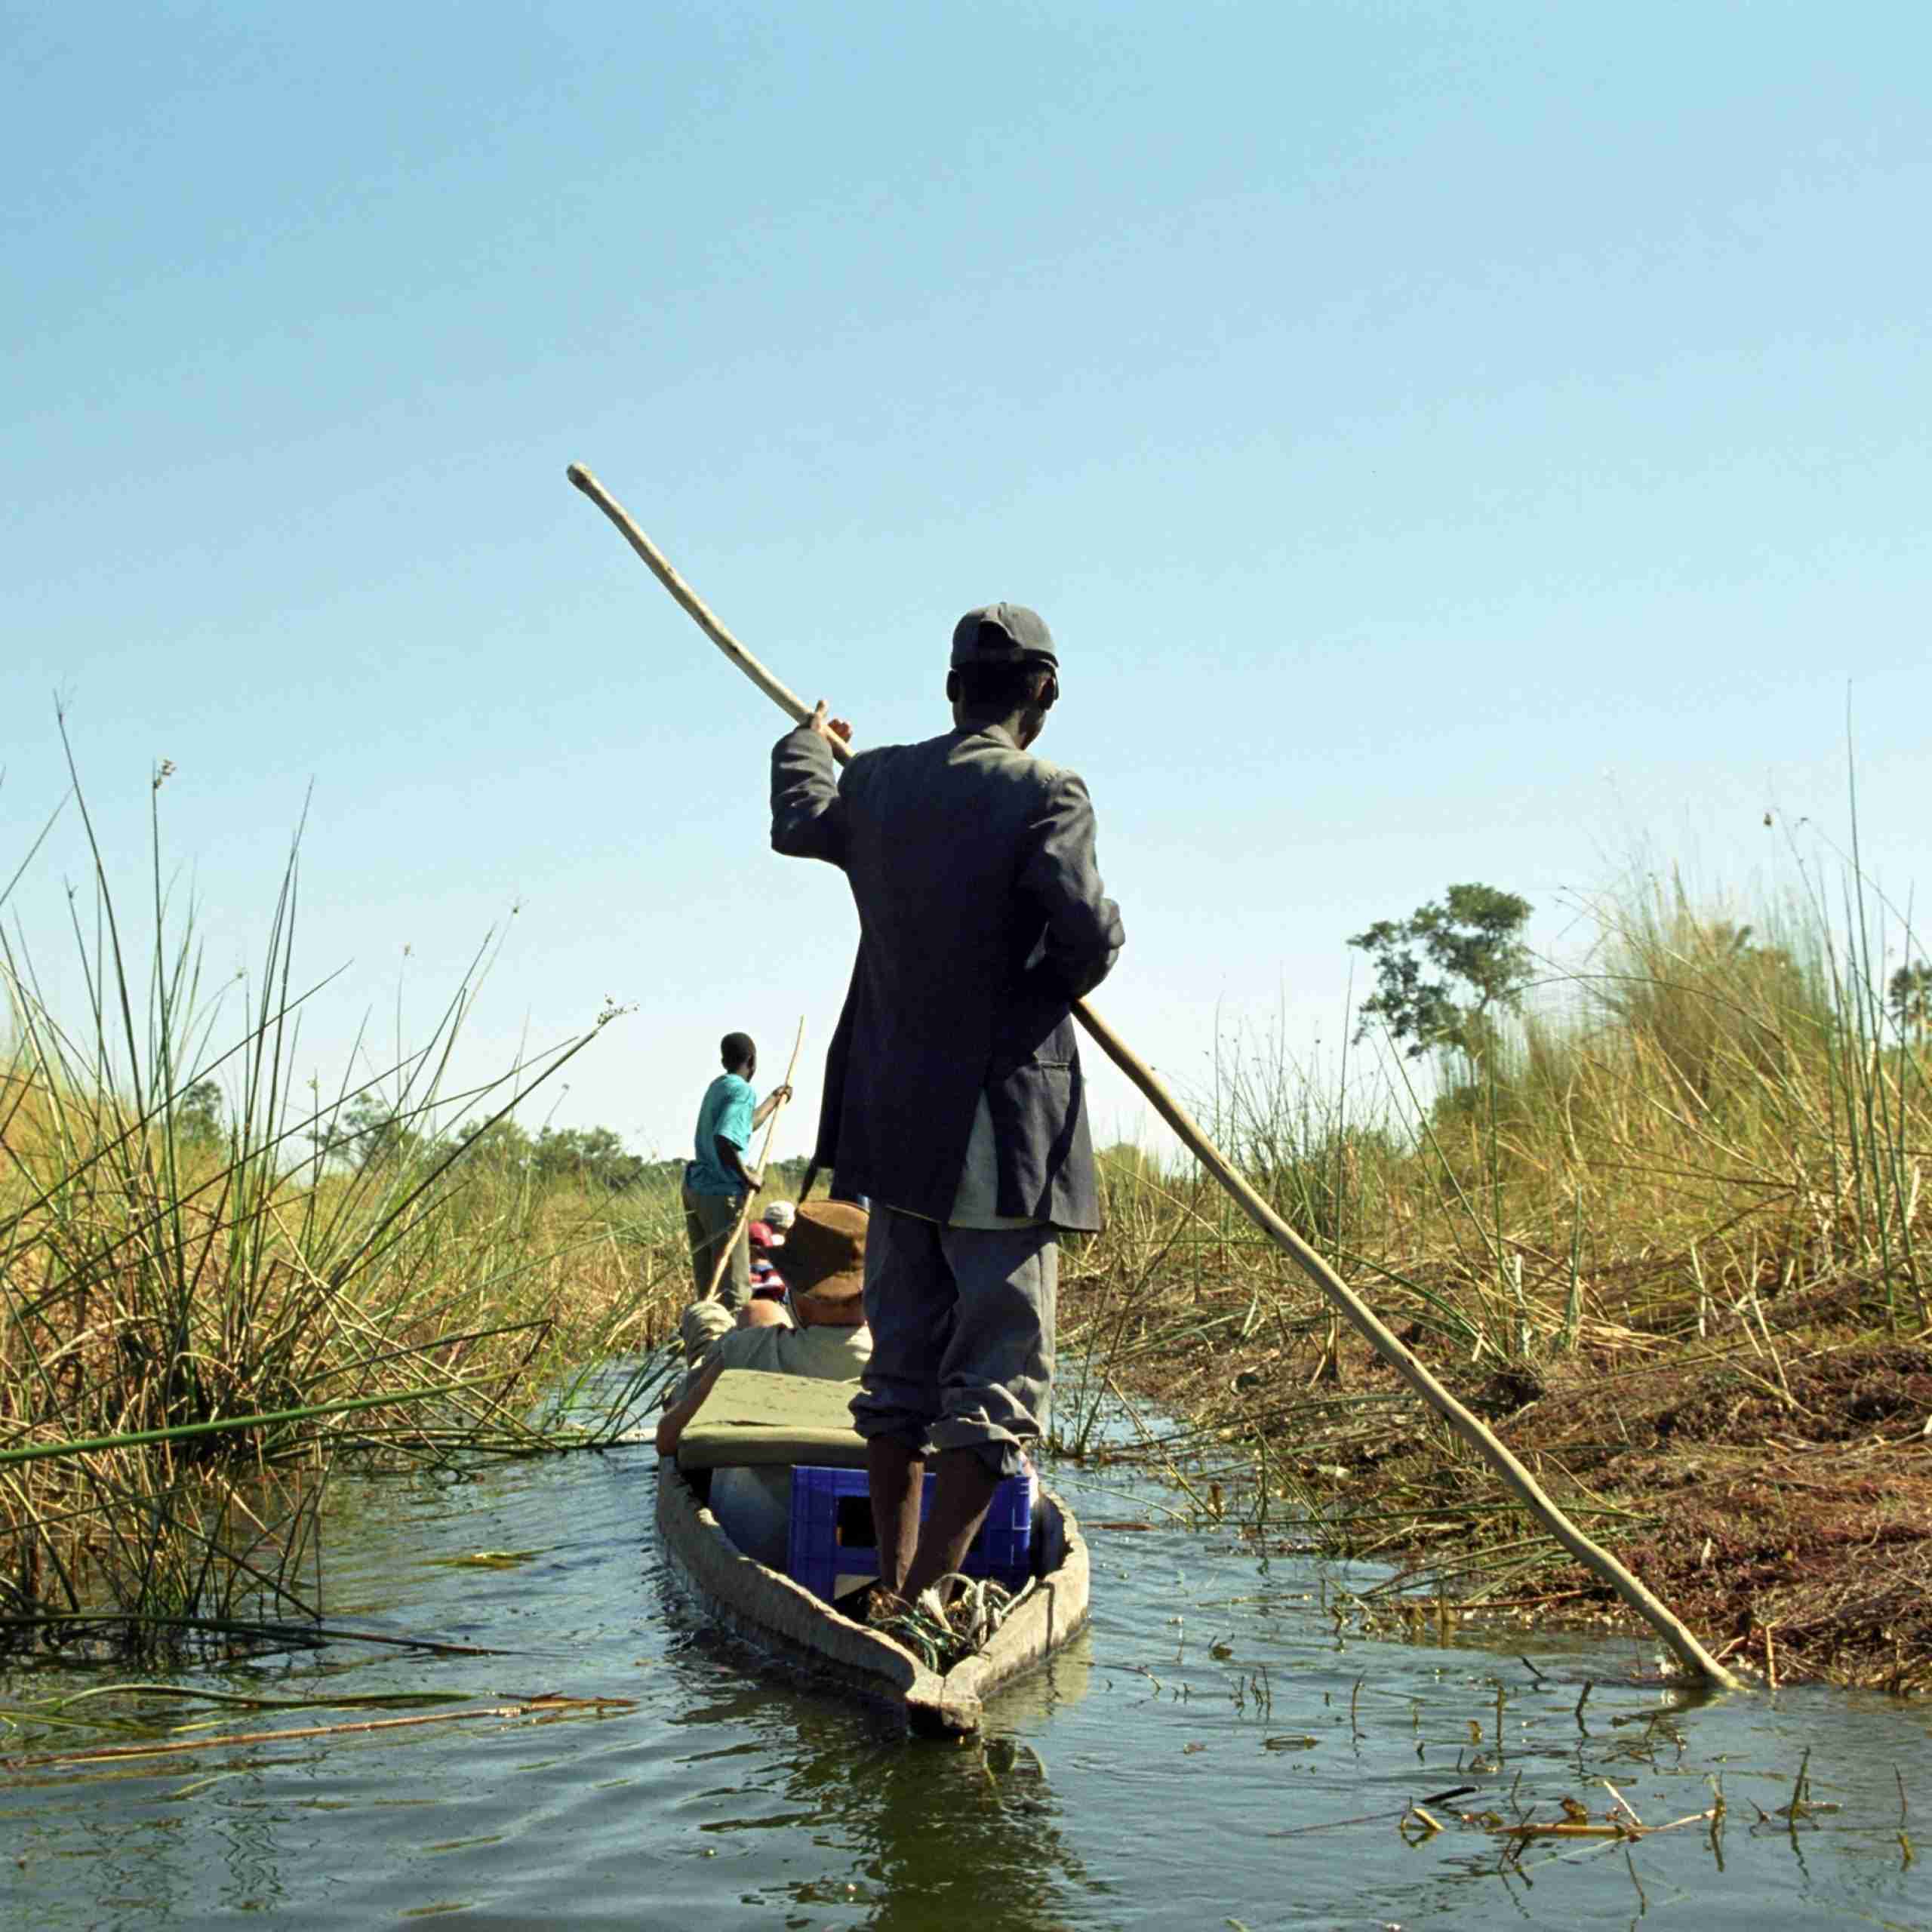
[726, 1110]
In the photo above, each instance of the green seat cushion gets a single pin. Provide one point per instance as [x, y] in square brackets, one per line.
[750, 1419]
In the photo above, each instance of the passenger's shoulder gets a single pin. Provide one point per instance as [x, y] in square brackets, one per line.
[742, 1348]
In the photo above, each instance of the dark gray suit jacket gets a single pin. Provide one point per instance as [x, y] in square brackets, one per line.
[981, 920]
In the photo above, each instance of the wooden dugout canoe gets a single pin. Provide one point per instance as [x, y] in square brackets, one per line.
[776, 1615]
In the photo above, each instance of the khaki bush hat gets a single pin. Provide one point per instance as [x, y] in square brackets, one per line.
[825, 1251]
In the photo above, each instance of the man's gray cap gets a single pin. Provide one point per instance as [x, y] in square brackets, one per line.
[1003, 634]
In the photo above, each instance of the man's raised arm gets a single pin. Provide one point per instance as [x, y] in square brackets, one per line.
[807, 817]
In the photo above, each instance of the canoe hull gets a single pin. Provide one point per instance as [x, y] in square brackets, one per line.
[774, 1612]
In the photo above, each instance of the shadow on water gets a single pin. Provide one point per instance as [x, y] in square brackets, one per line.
[1218, 1750]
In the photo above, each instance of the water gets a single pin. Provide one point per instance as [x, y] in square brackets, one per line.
[1193, 1760]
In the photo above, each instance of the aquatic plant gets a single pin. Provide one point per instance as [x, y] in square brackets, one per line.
[204, 1306]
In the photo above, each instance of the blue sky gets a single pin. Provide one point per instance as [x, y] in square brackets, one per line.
[1449, 441]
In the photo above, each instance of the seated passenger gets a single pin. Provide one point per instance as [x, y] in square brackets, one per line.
[818, 1330]
[767, 1236]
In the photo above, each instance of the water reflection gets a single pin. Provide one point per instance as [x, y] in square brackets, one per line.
[886, 1834]
[965, 1835]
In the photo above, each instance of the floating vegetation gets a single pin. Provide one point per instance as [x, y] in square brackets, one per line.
[539, 1709]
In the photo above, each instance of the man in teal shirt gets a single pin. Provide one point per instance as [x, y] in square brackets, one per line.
[717, 1179]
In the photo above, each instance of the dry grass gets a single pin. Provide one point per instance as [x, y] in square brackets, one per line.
[1671, 1245]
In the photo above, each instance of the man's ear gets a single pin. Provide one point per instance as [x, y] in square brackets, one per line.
[953, 687]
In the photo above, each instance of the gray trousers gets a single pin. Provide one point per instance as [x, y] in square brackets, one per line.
[962, 1322]
[708, 1223]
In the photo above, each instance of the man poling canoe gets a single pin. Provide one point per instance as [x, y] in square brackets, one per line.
[1466, 1426]
[718, 1182]
[953, 1095]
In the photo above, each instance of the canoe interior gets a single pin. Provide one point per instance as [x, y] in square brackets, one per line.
[780, 1616]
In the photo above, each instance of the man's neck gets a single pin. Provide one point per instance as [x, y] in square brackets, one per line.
[1012, 723]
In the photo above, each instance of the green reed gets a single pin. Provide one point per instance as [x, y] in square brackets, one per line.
[198, 1317]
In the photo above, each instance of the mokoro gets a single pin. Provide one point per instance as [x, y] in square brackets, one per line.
[777, 1614]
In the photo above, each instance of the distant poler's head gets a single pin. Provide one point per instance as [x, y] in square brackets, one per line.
[1004, 666]
[738, 1053]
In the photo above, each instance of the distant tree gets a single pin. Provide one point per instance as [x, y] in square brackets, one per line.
[1725, 939]
[366, 1130]
[1909, 994]
[1443, 973]
[593, 1156]
[500, 1144]
[198, 1111]
[781, 1178]
[589, 1156]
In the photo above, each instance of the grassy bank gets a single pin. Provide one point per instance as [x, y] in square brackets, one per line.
[198, 1333]
[219, 1286]
[1670, 1239]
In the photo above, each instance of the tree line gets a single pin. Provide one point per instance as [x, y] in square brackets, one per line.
[368, 1130]
[1445, 977]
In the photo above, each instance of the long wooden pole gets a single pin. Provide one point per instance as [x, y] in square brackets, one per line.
[1467, 1428]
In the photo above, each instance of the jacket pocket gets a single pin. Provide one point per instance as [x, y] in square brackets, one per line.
[1042, 1038]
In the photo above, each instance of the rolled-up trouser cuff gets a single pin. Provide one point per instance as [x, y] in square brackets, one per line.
[875, 1413]
[1000, 1456]
[1001, 1450]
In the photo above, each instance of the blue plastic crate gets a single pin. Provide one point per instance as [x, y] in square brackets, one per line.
[832, 1545]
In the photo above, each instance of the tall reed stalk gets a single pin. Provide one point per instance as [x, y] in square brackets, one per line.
[199, 1315]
